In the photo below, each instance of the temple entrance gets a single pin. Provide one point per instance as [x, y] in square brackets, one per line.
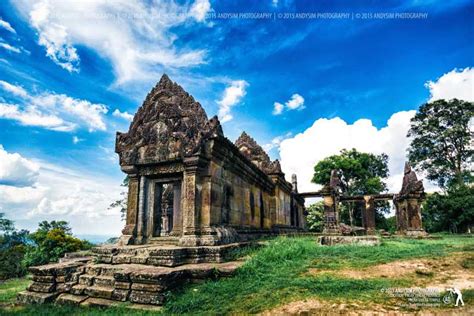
[165, 208]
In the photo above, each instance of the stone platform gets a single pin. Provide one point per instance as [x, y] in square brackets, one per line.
[137, 274]
[331, 240]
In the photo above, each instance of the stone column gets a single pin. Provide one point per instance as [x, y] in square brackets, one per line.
[331, 216]
[130, 230]
[142, 208]
[368, 215]
[177, 217]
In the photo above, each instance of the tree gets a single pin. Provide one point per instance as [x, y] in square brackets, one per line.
[452, 212]
[12, 249]
[51, 241]
[360, 173]
[122, 203]
[442, 141]
[315, 217]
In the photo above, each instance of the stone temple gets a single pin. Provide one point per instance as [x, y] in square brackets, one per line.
[189, 185]
[193, 197]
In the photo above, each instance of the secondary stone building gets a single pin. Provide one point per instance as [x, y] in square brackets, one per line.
[189, 185]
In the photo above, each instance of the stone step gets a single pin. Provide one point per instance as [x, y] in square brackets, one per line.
[104, 281]
[70, 299]
[99, 292]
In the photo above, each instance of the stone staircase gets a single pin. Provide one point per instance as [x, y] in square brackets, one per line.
[140, 275]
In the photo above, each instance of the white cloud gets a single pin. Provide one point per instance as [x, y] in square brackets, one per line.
[199, 9]
[5, 25]
[136, 36]
[327, 137]
[454, 84]
[296, 102]
[54, 192]
[30, 116]
[10, 48]
[13, 89]
[76, 140]
[232, 95]
[53, 111]
[16, 170]
[277, 108]
[125, 115]
[276, 142]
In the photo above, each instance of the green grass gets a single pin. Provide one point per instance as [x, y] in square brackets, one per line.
[275, 274]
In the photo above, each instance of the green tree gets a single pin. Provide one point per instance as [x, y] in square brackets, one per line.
[453, 211]
[12, 249]
[51, 241]
[360, 173]
[442, 141]
[315, 217]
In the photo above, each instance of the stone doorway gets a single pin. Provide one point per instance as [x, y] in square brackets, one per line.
[165, 209]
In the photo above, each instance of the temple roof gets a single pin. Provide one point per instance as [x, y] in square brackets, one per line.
[170, 124]
[255, 153]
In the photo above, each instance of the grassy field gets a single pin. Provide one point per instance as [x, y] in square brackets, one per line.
[288, 270]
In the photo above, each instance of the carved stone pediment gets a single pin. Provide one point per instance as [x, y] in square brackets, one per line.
[169, 125]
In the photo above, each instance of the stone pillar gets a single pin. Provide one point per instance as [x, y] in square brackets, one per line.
[177, 217]
[408, 214]
[331, 214]
[142, 210]
[130, 230]
[368, 215]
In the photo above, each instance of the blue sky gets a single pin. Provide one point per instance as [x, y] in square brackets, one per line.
[66, 68]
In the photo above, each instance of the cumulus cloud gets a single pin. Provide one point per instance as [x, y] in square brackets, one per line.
[124, 115]
[6, 26]
[16, 170]
[232, 95]
[53, 111]
[328, 137]
[457, 84]
[135, 36]
[34, 190]
[296, 102]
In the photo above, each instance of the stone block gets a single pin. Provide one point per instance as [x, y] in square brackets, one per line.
[64, 287]
[86, 279]
[121, 259]
[43, 278]
[42, 287]
[78, 289]
[69, 299]
[330, 240]
[99, 302]
[27, 297]
[105, 281]
[143, 297]
[100, 292]
[139, 260]
[93, 270]
[120, 295]
[148, 287]
[122, 285]
[104, 258]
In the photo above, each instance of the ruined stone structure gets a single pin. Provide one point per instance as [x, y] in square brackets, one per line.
[407, 204]
[193, 196]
